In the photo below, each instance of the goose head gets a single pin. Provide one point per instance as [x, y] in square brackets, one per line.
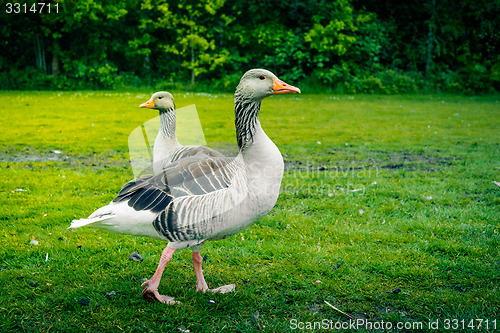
[161, 100]
[257, 84]
[254, 86]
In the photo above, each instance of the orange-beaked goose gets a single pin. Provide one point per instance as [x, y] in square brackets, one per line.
[167, 148]
[197, 200]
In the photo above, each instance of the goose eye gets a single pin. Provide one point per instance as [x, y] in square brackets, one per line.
[160, 97]
[262, 77]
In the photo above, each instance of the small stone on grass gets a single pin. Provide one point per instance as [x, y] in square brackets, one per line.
[135, 256]
[394, 291]
[85, 301]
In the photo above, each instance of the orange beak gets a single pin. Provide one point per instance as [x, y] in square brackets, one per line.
[281, 87]
[149, 104]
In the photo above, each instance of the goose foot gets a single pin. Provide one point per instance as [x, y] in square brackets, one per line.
[153, 295]
[224, 289]
[151, 290]
[201, 285]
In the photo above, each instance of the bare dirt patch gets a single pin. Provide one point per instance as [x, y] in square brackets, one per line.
[409, 161]
[28, 155]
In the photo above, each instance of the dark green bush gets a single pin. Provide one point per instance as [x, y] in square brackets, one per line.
[349, 46]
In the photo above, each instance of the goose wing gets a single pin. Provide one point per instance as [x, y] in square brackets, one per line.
[186, 177]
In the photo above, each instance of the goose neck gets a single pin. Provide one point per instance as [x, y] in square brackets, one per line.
[246, 120]
[167, 123]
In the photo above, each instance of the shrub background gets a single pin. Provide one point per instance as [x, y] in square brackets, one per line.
[344, 46]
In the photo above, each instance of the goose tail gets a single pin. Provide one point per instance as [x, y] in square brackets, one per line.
[83, 222]
[120, 218]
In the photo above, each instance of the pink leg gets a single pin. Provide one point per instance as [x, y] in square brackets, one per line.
[151, 290]
[200, 279]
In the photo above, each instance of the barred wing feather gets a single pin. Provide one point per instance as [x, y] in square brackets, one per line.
[186, 177]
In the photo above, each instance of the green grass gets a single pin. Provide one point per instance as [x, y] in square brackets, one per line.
[423, 216]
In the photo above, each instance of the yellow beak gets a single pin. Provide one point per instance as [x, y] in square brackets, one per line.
[281, 87]
[149, 104]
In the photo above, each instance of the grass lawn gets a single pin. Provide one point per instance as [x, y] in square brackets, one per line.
[388, 211]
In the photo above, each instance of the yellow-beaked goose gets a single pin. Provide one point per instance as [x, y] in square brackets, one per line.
[197, 200]
[167, 148]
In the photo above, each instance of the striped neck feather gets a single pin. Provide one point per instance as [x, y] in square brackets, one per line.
[246, 117]
[167, 123]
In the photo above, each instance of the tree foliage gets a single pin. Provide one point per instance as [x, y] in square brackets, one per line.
[345, 45]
